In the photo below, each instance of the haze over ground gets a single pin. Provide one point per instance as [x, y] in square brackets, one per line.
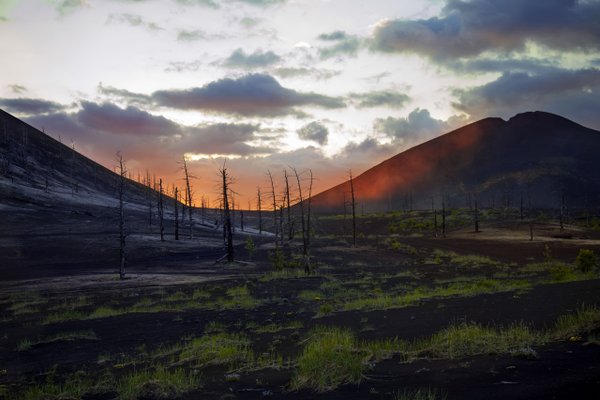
[327, 85]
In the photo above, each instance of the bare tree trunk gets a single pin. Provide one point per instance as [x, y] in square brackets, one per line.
[161, 224]
[305, 220]
[176, 212]
[307, 265]
[259, 206]
[443, 218]
[476, 217]
[122, 255]
[149, 196]
[189, 197]
[274, 209]
[226, 182]
[353, 203]
[289, 209]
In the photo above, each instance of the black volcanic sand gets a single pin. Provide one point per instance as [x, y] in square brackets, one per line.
[563, 370]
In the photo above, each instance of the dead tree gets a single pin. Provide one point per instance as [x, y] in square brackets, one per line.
[161, 211]
[274, 209]
[289, 208]
[122, 235]
[305, 217]
[176, 212]
[476, 217]
[189, 196]
[226, 179]
[353, 204]
[149, 198]
[259, 207]
[443, 218]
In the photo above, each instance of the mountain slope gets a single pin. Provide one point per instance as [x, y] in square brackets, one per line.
[536, 155]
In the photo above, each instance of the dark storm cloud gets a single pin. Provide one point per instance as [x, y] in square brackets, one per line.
[250, 95]
[134, 21]
[468, 28]
[107, 128]
[257, 59]
[107, 117]
[315, 131]
[30, 106]
[572, 93]
[386, 98]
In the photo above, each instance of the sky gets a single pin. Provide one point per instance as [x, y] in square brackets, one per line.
[268, 85]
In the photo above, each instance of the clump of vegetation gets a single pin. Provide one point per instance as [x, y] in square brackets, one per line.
[160, 383]
[419, 394]
[469, 339]
[586, 261]
[27, 344]
[217, 349]
[329, 359]
[585, 320]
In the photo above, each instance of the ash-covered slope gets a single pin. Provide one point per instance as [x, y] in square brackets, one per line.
[534, 155]
[37, 170]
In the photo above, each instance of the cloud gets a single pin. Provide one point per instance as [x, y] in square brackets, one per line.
[315, 131]
[220, 138]
[343, 44]
[65, 7]
[18, 89]
[124, 95]
[134, 21]
[239, 58]
[418, 125]
[110, 118]
[190, 36]
[333, 36]
[290, 72]
[261, 3]
[249, 95]
[248, 22]
[206, 3]
[26, 106]
[381, 98]
[180, 66]
[469, 28]
[572, 93]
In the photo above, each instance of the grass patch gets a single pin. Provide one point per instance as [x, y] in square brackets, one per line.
[217, 349]
[272, 328]
[584, 320]
[157, 384]
[63, 316]
[59, 337]
[329, 359]
[466, 260]
[380, 301]
[286, 273]
[470, 339]
[419, 394]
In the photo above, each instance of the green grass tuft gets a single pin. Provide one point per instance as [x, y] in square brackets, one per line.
[329, 359]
